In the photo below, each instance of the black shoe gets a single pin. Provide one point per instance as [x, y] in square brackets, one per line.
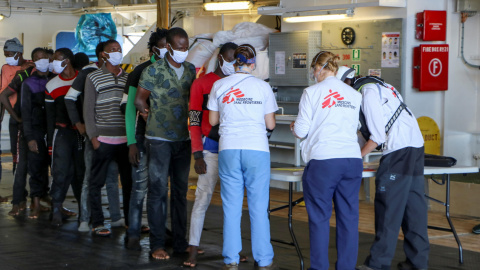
[57, 215]
[133, 243]
[407, 265]
[476, 229]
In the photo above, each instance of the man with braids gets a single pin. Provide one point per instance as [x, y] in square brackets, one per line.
[238, 103]
[74, 101]
[166, 83]
[328, 117]
[63, 139]
[205, 145]
[136, 140]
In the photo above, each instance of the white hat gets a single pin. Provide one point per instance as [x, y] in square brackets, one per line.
[345, 72]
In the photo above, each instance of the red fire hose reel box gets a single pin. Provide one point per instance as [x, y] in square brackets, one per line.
[431, 25]
[430, 67]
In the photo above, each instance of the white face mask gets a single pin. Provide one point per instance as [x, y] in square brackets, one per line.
[160, 52]
[57, 66]
[11, 61]
[227, 67]
[42, 65]
[115, 58]
[50, 66]
[178, 56]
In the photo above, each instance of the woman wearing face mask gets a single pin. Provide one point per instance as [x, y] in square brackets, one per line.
[105, 126]
[328, 119]
[67, 157]
[244, 106]
[205, 145]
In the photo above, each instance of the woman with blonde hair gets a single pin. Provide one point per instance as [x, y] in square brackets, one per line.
[245, 107]
[328, 120]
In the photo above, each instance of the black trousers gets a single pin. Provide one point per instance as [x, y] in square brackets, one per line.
[20, 176]
[38, 166]
[400, 202]
[101, 159]
[68, 165]
[13, 132]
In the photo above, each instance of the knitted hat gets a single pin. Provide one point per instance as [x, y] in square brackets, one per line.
[13, 45]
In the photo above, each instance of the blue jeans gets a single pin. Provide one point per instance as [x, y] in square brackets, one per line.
[164, 156]
[338, 179]
[139, 190]
[111, 186]
[250, 169]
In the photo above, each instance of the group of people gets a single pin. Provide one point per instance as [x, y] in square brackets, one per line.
[98, 122]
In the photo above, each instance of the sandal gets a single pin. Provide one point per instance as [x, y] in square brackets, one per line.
[145, 229]
[101, 231]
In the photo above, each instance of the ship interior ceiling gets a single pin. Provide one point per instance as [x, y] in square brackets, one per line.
[425, 53]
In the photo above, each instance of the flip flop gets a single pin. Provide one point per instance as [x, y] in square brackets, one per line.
[101, 231]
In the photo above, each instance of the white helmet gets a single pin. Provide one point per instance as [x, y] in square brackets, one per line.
[345, 72]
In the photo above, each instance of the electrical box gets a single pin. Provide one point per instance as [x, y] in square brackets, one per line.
[290, 55]
[468, 5]
[430, 67]
[431, 25]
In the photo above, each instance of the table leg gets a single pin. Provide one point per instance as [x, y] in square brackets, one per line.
[447, 213]
[290, 227]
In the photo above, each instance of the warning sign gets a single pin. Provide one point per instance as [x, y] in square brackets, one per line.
[431, 135]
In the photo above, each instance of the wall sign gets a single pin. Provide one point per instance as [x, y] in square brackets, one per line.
[390, 49]
[299, 60]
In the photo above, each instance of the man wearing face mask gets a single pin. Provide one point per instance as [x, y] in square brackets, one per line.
[205, 144]
[105, 127]
[136, 140]
[167, 82]
[13, 52]
[63, 138]
[74, 101]
[20, 175]
[32, 98]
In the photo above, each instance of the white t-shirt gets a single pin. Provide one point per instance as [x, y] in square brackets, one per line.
[378, 107]
[242, 101]
[328, 117]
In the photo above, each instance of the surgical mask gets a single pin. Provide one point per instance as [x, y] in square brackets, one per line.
[160, 52]
[42, 65]
[50, 66]
[227, 67]
[57, 66]
[312, 72]
[115, 58]
[11, 61]
[178, 56]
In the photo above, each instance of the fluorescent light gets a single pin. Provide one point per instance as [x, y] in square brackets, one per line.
[324, 15]
[1, 17]
[214, 6]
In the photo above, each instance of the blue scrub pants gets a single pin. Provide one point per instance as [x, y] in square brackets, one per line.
[338, 179]
[250, 169]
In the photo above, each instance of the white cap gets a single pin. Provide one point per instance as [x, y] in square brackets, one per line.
[345, 72]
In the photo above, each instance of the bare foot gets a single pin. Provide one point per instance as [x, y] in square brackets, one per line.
[22, 206]
[3, 199]
[34, 212]
[192, 256]
[15, 210]
[68, 212]
[243, 258]
[43, 208]
[160, 254]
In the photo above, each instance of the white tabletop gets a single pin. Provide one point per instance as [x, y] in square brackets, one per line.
[282, 174]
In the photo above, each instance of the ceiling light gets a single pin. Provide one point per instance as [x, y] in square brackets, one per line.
[323, 15]
[1, 17]
[237, 5]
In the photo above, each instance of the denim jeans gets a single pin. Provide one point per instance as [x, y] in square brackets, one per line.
[102, 157]
[20, 176]
[38, 166]
[68, 166]
[162, 157]
[139, 190]
[111, 186]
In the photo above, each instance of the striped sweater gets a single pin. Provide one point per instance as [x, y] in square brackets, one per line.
[101, 108]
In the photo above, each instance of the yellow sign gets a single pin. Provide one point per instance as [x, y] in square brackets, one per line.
[431, 135]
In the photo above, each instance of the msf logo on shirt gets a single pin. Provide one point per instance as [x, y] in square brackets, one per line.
[331, 99]
[232, 96]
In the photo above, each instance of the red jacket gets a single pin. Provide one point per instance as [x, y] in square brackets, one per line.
[199, 123]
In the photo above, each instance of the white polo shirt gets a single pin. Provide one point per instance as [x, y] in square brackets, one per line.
[378, 107]
[242, 101]
[328, 117]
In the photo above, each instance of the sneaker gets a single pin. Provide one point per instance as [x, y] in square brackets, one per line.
[231, 266]
[476, 229]
[83, 227]
[118, 223]
[363, 267]
[133, 244]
